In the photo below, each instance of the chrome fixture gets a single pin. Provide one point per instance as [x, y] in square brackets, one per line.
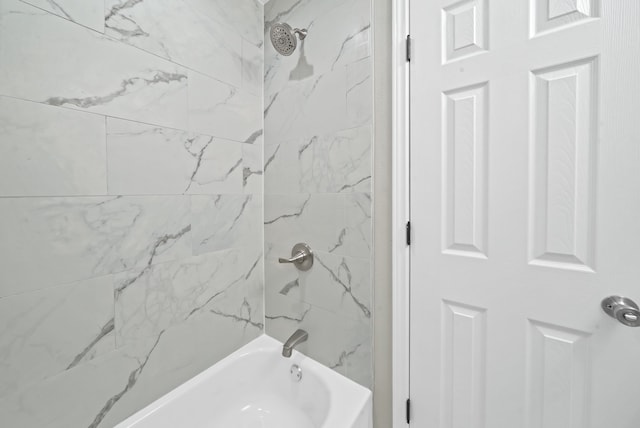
[283, 37]
[301, 257]
[296, 338]
[296, 373]
[625, 310]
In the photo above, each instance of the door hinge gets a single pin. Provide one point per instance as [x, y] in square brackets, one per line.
[408, 410]
[408, 233]
[408, 48]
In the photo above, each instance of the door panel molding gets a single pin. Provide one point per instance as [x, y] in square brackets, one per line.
[465, 202]
[516, 158]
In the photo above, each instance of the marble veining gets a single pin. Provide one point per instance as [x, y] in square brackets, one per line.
[342, 276]
[47, 151]
[340, 342]
[88, 12]
[155, 249]
[296, 214]
[245, 17]
[119, 80]
[317, 180]
[125, 127]
[105, 331]
[222, 110]
[225, 221]
[77, 238]
[49, 331]
[131, 382]
[344, 357]
[171, 293]
[174, 30]
[252, 171]
[252, 65]
[133, 177]
[181, 162]
[126, 86]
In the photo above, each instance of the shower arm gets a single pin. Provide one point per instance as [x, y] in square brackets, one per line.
[301, 33]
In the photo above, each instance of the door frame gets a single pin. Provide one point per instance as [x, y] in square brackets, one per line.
[400, 213]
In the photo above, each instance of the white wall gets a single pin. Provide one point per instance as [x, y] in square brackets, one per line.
[130, 201]
[382, 14]
[318, 178]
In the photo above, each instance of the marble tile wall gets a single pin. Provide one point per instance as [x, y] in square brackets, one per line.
[318, 157]
[131, 201]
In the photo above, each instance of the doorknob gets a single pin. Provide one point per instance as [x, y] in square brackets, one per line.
[301, 257]
[623, 309]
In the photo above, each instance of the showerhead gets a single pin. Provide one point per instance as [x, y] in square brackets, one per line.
[283, 38]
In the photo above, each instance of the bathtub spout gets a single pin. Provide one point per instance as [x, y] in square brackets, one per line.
[296, 338]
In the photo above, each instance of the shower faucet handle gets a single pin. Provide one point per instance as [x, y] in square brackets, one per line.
[301, 257]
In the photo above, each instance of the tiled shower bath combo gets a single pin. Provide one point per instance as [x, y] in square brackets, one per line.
[157, 157]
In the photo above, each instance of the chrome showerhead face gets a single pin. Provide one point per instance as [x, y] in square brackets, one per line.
[283, 38]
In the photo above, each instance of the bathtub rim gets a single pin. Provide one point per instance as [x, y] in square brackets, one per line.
[265, 343]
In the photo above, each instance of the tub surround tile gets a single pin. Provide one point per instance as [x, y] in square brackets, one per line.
[89, 13]
[256, 138]
[360, 93]
[150, 300]
[252, 65]
[47, 332]
[75, 398]
[252, 170]
[242, 302]
[225, 284]
[341, 286]
[182, 352]
[303, 10]
[336, 163]
[105, 390]
[225, 221]
[358, 232]
[284, 279]
[316, 219]
[221, 110]
[337, 284]
[346, 31]
[317, 180]
[70, 239]
[49, 151]
[330, 163]
[107, 302]
[341, 343]
[244, 18]
[175, 31]
[146, 159]
[282, 174]
[339, 224]
[284, 314]
[307, 107]
[215, 166]
[109, 77]
[225, 314]
[347, 27]
[110, 388]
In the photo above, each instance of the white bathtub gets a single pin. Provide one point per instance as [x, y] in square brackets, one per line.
[253, 388]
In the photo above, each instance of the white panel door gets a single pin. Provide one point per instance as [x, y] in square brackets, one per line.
[525, 207]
